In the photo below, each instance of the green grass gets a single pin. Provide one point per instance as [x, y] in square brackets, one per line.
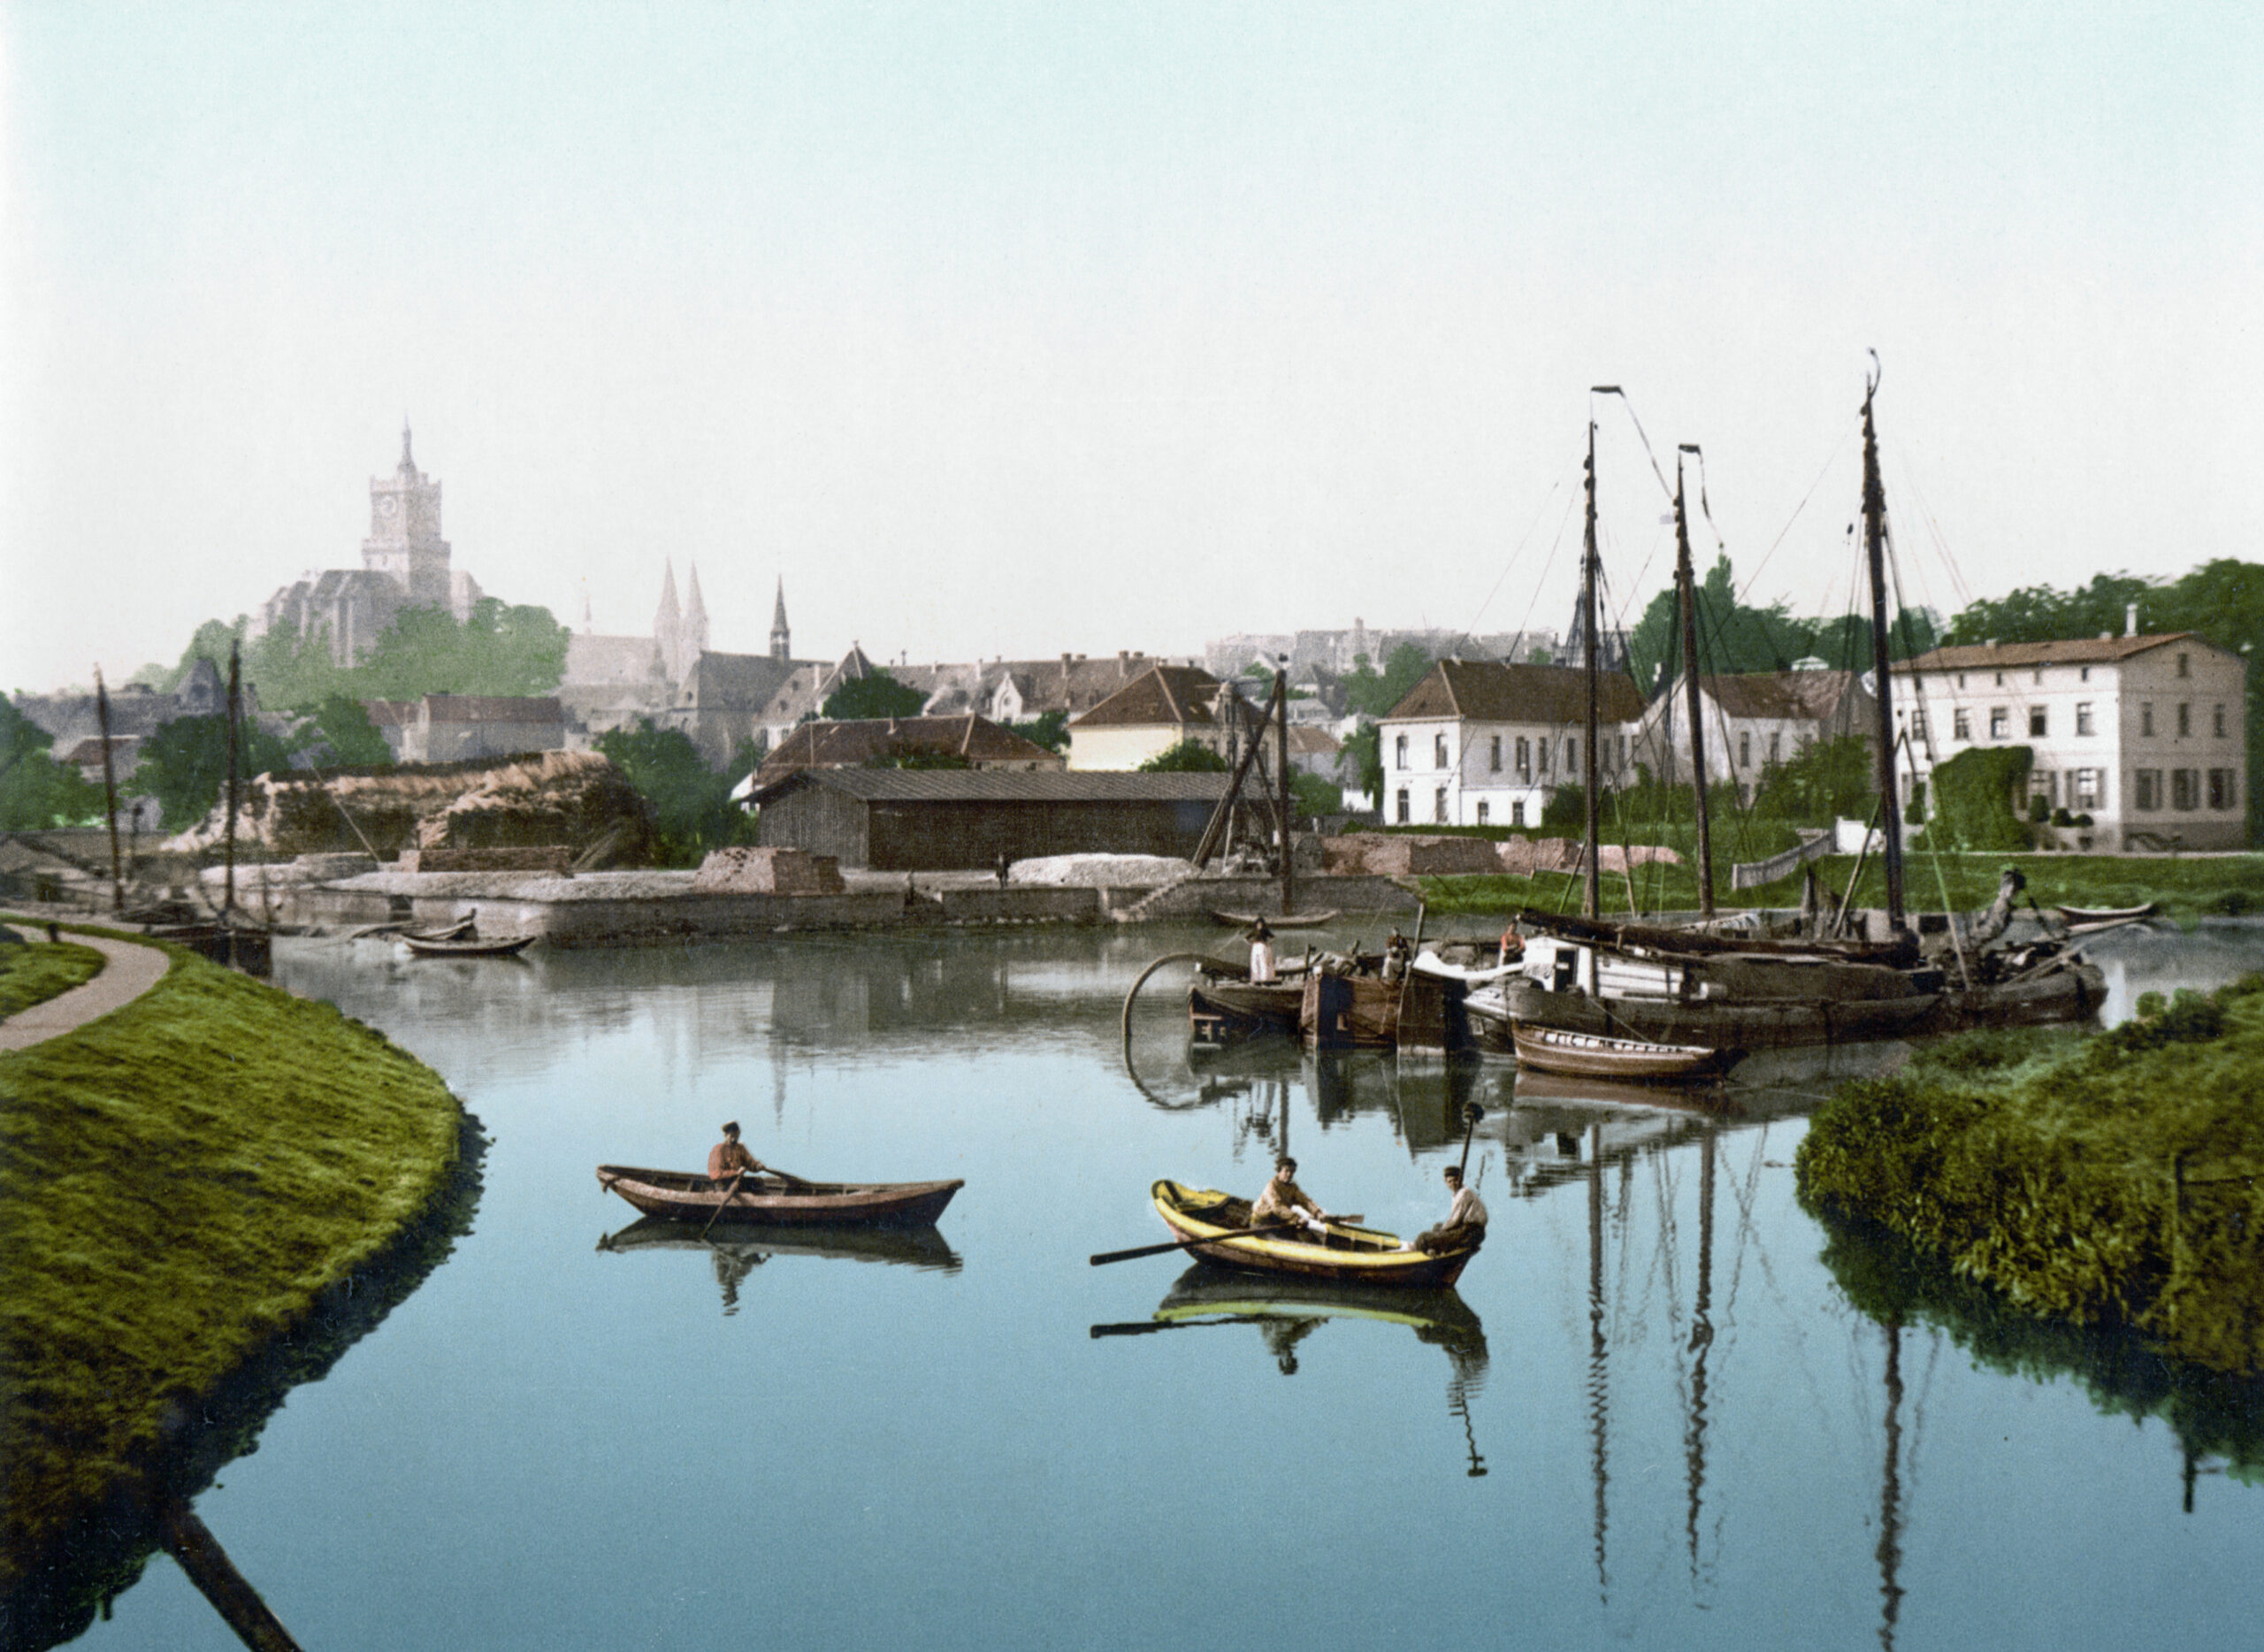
[2044, 1167]
[180, 1183]
[33, 974]
[2187, 887]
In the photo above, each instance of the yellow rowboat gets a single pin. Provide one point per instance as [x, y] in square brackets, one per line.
[1351, 1255]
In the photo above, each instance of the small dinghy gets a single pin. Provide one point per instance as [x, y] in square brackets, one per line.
[1351, 1255]
[1622, 1060]
[685, 1195]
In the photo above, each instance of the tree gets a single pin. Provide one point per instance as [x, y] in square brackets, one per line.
[1049, 728]
[36, 792]
[875, 695]
[691, 804]
[185, 763]
[1189, 757]
[1734, 636]
[1314, 796]
[1361, 761]
[340, 725]
[497, 649]
[1375, 696]
[1829, 780]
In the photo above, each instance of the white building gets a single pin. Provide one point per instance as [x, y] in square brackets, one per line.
[1477, 743]
[1750, 721]
[2144, 734]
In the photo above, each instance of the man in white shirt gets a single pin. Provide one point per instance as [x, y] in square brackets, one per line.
[1262, 972]
[1464, 1227]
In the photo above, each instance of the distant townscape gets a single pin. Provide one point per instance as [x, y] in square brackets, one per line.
[2111, 738]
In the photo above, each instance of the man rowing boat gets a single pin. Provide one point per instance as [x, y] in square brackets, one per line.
[1284, 1201]
[727, 1158]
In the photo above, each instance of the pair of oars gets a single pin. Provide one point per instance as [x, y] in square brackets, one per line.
[1106, 1257]
[731, 1192]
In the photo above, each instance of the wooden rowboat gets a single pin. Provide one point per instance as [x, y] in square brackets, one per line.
[1285, 921]
[684, 1195]
[471, 946]
[1624, 1060]
[2080, 919]
[1351, 1255]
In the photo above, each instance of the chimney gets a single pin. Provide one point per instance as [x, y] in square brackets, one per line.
[1123, 665]
[2130, 619]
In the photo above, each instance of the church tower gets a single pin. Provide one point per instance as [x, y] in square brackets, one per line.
[692, 638]
[405, 543]
[668, 626]
[781, 641]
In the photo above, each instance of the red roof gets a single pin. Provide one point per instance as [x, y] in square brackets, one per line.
[1998, 656]
[1488, 691]
[1179, 695]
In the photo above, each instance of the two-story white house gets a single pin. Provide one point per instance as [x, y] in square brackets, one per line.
[1479, 743]
[2144, 734]
[1753, 720]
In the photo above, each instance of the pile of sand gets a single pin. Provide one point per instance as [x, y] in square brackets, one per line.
[1100, 871]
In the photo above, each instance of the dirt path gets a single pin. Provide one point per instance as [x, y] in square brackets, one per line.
[128, 971]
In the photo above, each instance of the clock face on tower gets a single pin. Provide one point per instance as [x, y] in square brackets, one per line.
[388, 505]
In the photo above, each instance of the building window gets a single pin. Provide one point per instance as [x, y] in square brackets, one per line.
[1494, 758]
[2147, 797]
[1540, 750]
[2185, 789]
[1399, 752]
[2083, 717]
[1517, 814]
[2087, 788]
[1961, 724]
[1918, 726]
[2000, 679]
[1438, 751]
[2000, 722]
[2083, 675]
[2217, 723]
[2036, 721]
[2221, 788]
[1571, 755]
[2186, 665]
[2146, 717]
[1525, 758]
[2184, 718]
[1744, 751]
[2036, 676]
[1402, 806]
[1438, 806]
[1775, 746]
[1483, 812]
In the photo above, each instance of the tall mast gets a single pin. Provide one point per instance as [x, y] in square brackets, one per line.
[1281, 724]
[1592, 889]
[110, 795]
[1874, 549]
[1685, 585]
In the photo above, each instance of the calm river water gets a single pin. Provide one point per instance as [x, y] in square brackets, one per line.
[1650, 1418]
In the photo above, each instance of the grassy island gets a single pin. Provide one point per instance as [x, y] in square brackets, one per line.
[188, 1186]
[33, 974]
[2108, 1180]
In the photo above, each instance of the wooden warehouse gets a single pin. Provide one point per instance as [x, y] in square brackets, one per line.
[942, 820]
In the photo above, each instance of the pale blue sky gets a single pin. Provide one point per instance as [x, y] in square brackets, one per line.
[1018, 328]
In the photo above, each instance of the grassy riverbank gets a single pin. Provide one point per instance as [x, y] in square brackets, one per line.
[2187, 887]
[33, 974]
[2109, 1181]
[182, 1183]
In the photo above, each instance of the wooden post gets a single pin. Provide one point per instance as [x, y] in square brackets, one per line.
[110, 795]
[1874, 552]
[1686, 591]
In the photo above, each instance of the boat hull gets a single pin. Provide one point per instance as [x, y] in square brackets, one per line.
[681, 1196]
[1220, 1009]
[1620, 1060]
[1367, 1256]
[505, 948]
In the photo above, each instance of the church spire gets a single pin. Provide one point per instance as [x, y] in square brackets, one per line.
[781, 639]
[695, 620]
[407, 464]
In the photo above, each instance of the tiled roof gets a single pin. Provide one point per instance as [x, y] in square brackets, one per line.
[1486, 691]
[2074, 650]
[491, 708]
[1179, 695]
[1004, 785]
[1791, 696]
[840, 744]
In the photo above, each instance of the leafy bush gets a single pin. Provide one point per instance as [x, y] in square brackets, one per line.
[1049, 728]
[185, 764]
[691, 804]
[1189, 757]
[1829, 779]
[1973, 798]
[876, 695]
[36, 791]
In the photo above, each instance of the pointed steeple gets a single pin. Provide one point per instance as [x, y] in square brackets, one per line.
[781, 639]
[668, 626]
[407, 464]
[695, 621]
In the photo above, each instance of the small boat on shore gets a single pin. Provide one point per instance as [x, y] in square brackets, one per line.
[2084, 920]
[467, 945]
[1619, 1060]
[1286, 920]
[686, 1196]
[1351, 1255]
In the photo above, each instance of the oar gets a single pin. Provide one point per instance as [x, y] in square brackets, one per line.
[727, 1193]
[1106, 1257]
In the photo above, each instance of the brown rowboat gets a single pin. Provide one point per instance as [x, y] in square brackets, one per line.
[684, 1196]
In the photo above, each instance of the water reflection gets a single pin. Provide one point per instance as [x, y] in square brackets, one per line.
[1286, 1312]
[738, 1249]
